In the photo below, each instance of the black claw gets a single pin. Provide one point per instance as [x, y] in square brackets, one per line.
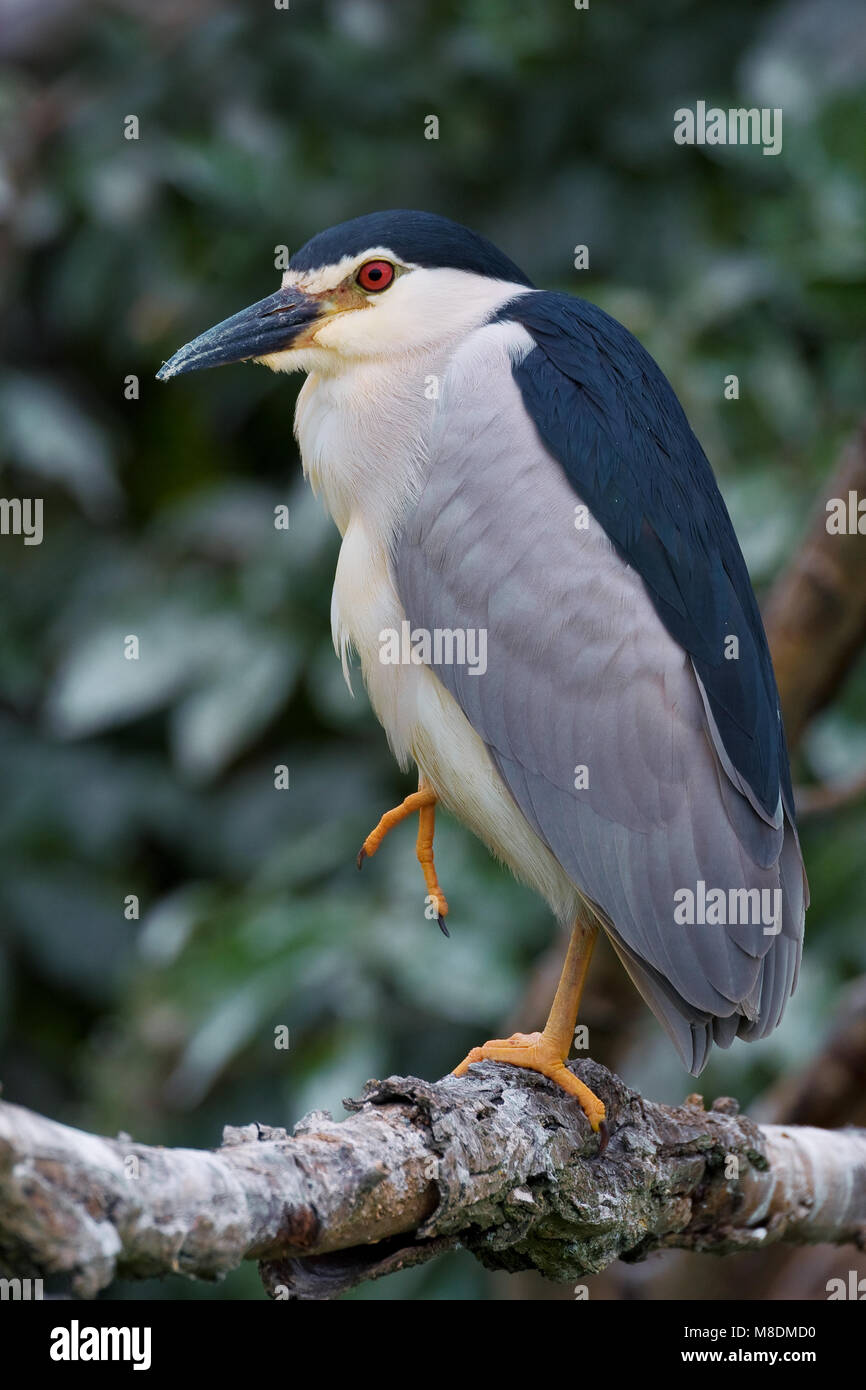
[362, 855]
[442, 927]
[604, 1138]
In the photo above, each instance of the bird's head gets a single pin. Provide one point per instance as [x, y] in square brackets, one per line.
[388, 283]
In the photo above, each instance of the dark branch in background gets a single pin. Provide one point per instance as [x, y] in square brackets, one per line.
[831, 1090]
[816, 613]
[500, 1161]
[830, 796]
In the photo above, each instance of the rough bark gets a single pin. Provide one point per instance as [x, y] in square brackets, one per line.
[500, 1161]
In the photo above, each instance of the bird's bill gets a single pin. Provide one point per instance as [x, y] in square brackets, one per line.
[271, 325]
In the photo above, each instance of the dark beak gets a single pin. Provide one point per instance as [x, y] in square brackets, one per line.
[269, 326]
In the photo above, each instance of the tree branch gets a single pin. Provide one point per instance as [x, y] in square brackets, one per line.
[499, 1161]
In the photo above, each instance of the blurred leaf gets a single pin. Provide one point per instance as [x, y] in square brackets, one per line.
[45, 433]
[213, 724]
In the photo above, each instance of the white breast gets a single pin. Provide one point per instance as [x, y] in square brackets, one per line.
[362, 436]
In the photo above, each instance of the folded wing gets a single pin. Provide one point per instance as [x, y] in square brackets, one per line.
[566, 512]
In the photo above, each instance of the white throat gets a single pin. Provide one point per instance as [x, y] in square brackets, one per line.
[364, 413]
[363, 423]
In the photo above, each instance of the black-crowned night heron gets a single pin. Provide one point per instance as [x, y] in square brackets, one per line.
[552, 615]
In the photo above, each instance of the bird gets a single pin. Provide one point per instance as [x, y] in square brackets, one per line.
[554, 620]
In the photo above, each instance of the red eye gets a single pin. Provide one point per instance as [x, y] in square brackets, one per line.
[375, 275]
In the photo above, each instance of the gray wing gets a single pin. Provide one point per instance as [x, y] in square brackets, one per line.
[581, 672]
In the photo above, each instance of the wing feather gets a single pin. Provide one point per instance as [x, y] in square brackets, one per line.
[584, 669]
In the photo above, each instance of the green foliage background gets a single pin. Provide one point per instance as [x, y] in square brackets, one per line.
[259, 127]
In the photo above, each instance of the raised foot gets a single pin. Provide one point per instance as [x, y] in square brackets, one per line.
[424, 803]
[536, 1052]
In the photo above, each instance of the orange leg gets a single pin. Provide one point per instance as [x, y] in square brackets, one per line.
[546, 1051]
[424, 802]
[424, 850]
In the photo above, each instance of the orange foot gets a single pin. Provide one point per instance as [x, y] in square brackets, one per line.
[424, 802]
[538, 1053]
